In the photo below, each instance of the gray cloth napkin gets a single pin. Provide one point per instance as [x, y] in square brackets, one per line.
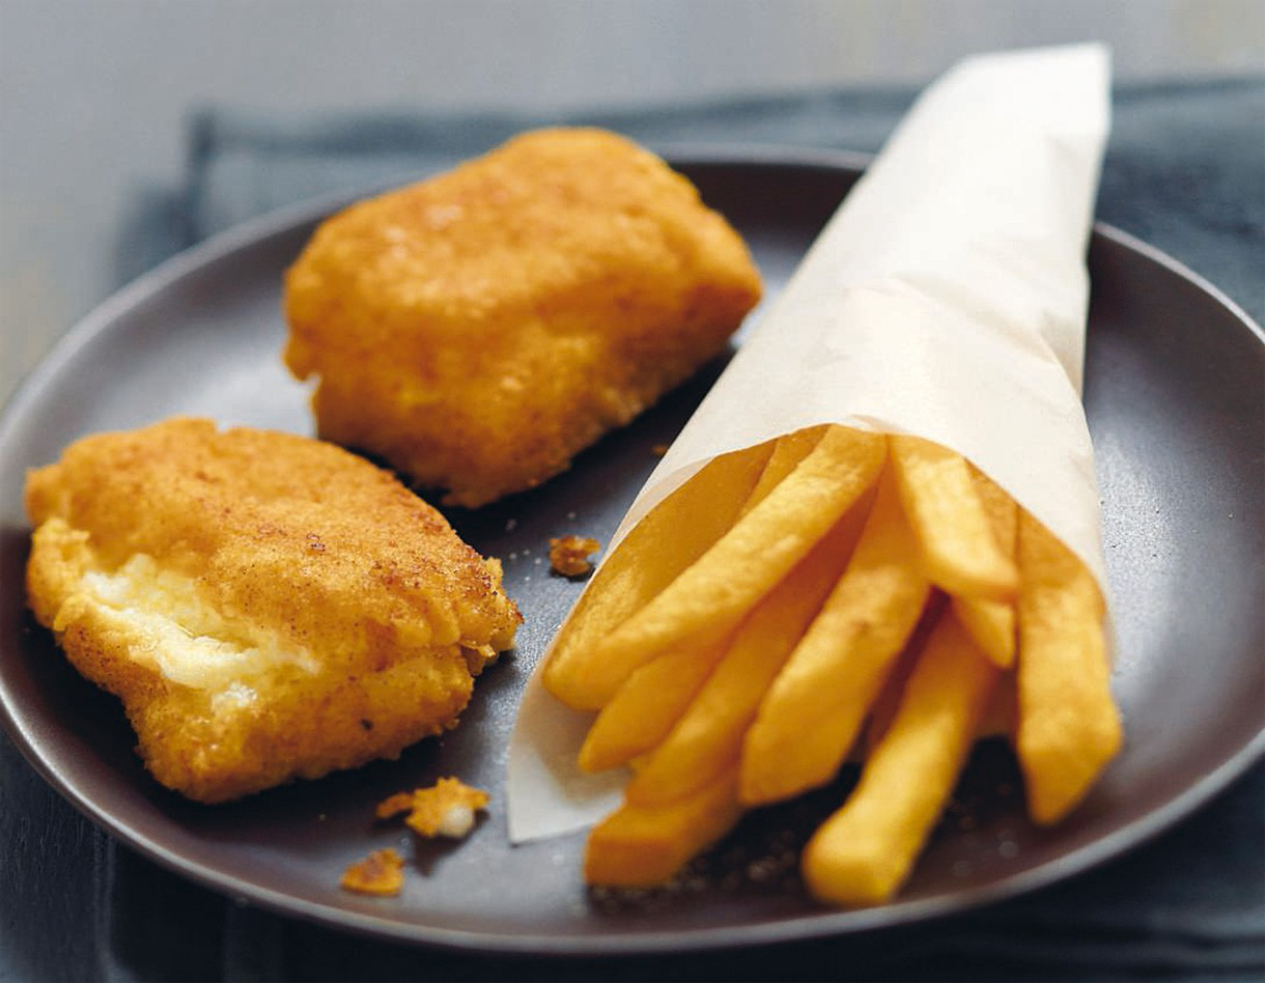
[1185, 171]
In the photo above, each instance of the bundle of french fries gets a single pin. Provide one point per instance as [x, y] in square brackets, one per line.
[757, 630]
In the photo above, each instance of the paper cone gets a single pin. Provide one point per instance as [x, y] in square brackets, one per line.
[946, 299]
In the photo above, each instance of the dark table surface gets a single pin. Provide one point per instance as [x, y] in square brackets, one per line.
[1185, 171]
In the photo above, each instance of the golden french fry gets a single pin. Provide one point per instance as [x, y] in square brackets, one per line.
[883, 710]
[864, 852]
[643, 710]
[710, 597]
[646, 708]
[708, 738]
[1069, 727]
[998, 721]
[812, 713]
[788, 451]
[959, 550]
[638, 846]
[671, 537]
[992, 623]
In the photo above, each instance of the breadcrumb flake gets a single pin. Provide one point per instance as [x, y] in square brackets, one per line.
[381, 873]
[399, 803]
[446, 808]
[568, 555]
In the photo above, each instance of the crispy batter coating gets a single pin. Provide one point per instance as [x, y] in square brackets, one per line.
[479, 329]
[266, 606]
[568, 555]
[446, 809]
[395, 805]
[380, 873]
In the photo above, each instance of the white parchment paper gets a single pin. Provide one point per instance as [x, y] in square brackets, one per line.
[946, 298]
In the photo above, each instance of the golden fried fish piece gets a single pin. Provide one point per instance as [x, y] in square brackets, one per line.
[479, 329]
[267, 607]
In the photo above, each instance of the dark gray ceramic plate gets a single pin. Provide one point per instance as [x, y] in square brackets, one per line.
[1174, 397]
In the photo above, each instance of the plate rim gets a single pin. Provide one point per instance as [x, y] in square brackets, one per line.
[823, 924]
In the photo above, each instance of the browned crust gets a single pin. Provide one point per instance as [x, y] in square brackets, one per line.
[480, 328]
[317, 546]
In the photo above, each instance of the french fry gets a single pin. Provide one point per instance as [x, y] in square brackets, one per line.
[883, 710]
[746, 676]
[815, 708]
[643, 710]
[788, 451]
[864, 852]
[1069, 727]
[992, 623]
[708, 738]
[998, 720]
[958, 548]
[648, 705]
[671, 537]
[638, 846]
[710, 597]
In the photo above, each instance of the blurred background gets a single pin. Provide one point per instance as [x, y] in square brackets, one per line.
[95, 97]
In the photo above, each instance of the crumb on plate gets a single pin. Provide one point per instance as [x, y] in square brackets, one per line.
[568, 555]
[396, 804]
[380, 873]
[446, 808]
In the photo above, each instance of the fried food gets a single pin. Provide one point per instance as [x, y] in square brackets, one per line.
[267, 607]
[814, 709]
[708, 737]
[992, 623]
[380, 873]
[569, 555]
[650, 702]
[959, 550]
[446, 808]
[713, 594]
[864, 852]
[785, 457]
[1069, 727]
[640, 846]
[646, 708]
[739, 679]
[395, 805]
[669, 539]
[480, 328]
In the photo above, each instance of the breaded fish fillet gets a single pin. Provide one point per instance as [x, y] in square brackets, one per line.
[479, 329]
[266, 606]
